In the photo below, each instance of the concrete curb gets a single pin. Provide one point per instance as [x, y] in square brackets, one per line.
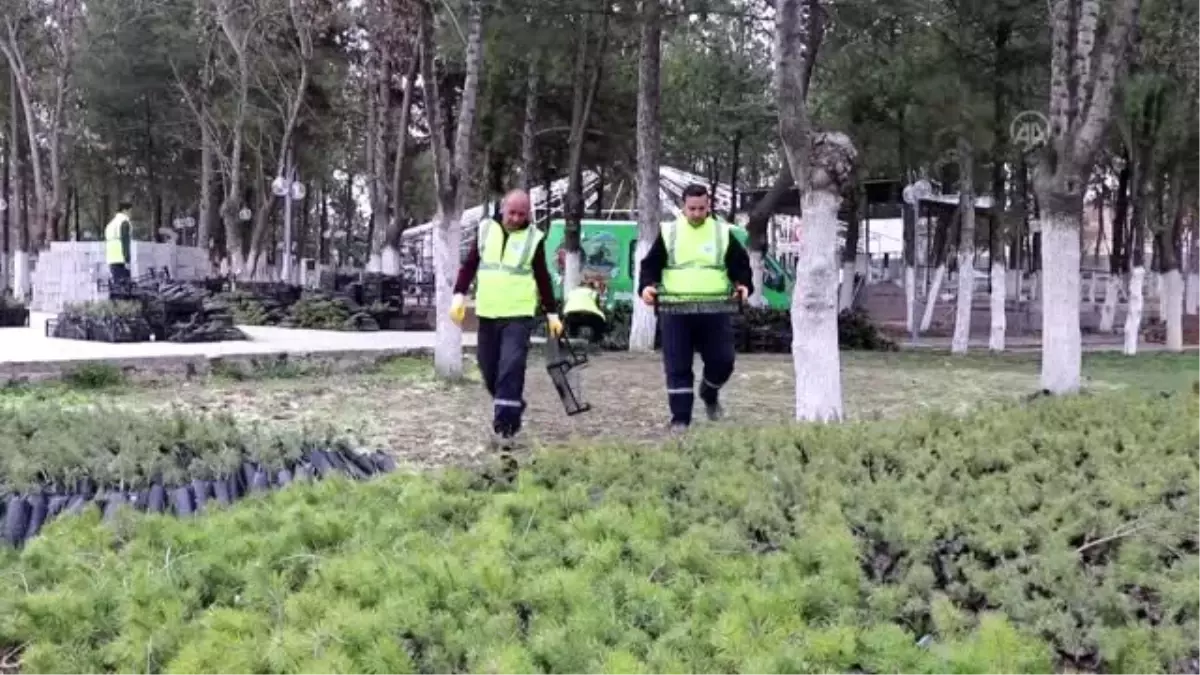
[175, 366]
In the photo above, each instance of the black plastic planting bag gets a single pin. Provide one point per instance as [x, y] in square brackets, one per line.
[237, 489]
[361, 461]
[201, 491]
[16, 518]
[304, 472]
[113, 500]
[58, 503]
[258, 481]
[321, 462]
[181, 501]
[383, 462]
[248, 469]
[38, 507]
[221, 492]
[283, 477]
[78, 503]
[156, 500]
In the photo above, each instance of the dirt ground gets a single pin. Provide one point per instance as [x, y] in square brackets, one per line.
[427, 423]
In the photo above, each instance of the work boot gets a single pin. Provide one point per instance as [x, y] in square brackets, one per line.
[677, 429]
[714, 411]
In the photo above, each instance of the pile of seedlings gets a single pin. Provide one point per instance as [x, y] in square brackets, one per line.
[102, 321]
[56, 460]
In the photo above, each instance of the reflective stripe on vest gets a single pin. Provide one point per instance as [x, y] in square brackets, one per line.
[583, 299]
[695, 259]
[114, 253]
[505, 285]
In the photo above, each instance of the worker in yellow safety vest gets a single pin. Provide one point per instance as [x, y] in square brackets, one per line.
[696, 254]
[508, 262]
[118, 245]
[582, 311]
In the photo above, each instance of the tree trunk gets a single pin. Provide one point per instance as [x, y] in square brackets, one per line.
[815, 355]
[390, 263]
[735, 167]
[941, 237]
[1080, 108]
[850, 252]
[585, 88]
[756, 229]
[1169, 235]
[998, 291]
[1137, 254]
[204, 220]
[909, 215]
[379, 113]
[528, 131]
[641, 334]
[450, 176]
[960, 343]
[1191, 303]
[19, 243]
[1116, 260]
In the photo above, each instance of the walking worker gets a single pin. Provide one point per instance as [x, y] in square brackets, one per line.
[695, 254]
[508, 264]
[117, 244]
[583, 310]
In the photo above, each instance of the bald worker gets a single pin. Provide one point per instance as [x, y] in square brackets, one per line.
[509, 262]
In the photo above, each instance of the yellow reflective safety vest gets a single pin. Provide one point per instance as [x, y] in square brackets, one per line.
[114, 253]
[695, 259]
[583, 300]
[505, 286]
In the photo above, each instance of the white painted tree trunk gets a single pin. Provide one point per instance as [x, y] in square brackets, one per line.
[21, 274]
[644, 322]
[1062, 341]
[1091, 289]
[910, 298]
[572, 270]
[961, 340]
[1191, 303]
[389, 261]
[1157, 295]
[1173, 309]
[1108, 311]
[815, 354]
[846, 288]
[1133, 315]
[448, 348]
[997, 308]
[757, 270]
[935, 289]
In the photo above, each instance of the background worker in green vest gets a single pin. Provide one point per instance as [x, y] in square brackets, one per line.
[117, 243]
[583, 311]
[695, 254]
[508, 261]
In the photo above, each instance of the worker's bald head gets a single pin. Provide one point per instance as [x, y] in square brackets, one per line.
[514, 209]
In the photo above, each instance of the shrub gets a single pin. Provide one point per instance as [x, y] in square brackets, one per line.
[765, 330]
[1055, 535]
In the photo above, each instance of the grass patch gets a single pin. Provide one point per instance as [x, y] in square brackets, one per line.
[1022, 538]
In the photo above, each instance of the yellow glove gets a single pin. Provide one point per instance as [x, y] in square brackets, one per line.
[554, 324]
[458, 308]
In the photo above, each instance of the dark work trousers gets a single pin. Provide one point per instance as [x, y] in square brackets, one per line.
[682, 336]
[503, 349]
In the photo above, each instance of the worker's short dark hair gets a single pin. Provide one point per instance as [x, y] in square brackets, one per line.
[695, 190]
[124, 206]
